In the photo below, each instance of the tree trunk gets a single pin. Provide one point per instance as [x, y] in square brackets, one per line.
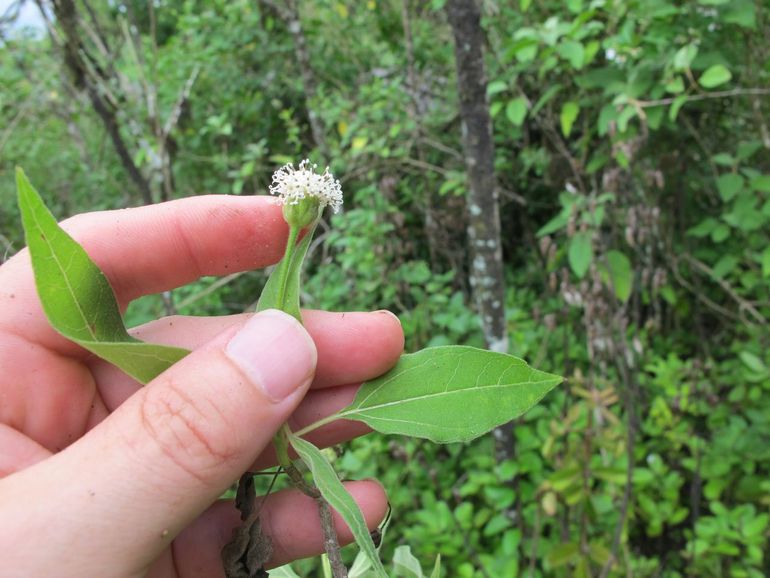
[486, 272]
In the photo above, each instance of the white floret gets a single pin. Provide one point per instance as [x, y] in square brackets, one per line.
[292, 185]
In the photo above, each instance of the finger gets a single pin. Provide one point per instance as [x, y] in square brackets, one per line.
[19, 451]
[289, 518]
[319, 404]
[352, 347]
[137, 479]
[49, 398]
[151, 249]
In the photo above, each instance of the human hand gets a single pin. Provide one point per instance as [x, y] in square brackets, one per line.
[100, 474]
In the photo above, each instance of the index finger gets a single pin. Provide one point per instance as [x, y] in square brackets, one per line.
[150, 249]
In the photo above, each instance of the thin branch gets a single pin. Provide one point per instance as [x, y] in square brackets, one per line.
[439, 146]
[629, 399]
[184, 96]
[706, 96]
[331, 543]
[699, 295]
[25, 109]
[743, 304]
[426, 166]
[221, 282]
[535, 539]
[80, 66]
[11, 13]
[8, 251]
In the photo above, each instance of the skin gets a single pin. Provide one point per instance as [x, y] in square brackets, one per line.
[87, 488]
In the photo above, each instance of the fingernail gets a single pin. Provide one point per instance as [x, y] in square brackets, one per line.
[275, 352]
[393, 315]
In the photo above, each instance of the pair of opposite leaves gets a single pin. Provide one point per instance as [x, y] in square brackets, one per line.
[445, 394]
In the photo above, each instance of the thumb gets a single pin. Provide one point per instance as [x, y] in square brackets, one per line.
[142, 475]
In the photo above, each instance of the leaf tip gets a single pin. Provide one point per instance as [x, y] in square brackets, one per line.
[23, 186]
[21, 177]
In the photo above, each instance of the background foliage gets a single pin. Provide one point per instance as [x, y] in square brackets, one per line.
[633, 160]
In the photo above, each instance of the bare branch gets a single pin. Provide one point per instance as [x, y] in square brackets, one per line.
[184, 96]
[706, 96]
[743, 305]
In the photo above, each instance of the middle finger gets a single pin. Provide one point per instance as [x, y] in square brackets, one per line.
[352, 347]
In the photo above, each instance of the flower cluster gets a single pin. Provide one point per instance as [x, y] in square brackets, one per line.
[293, 185]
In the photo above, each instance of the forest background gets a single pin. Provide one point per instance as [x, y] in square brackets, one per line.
[630, 168]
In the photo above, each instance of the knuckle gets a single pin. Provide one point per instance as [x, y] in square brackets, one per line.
[191, 432]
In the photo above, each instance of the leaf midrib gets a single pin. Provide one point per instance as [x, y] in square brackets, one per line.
[439, 394]
[55, 257]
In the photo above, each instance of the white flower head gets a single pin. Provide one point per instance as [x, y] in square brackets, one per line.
[293, 185]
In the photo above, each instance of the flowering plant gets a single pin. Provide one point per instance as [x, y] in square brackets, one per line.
[444, 394]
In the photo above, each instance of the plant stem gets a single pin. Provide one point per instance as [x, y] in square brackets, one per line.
[281, 439]
[331, 543]
[320, 423]
[285, 265]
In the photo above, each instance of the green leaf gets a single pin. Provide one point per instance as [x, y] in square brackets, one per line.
[326, 567]
[761, 183]
[436, 573]
[496, 86]
[558, 222]
[562, 554]
[747, 149]
[545, 98]
[742, 13]
[765, 262]
[676, 106]
[715, 76]
[569, 114]
[449, 394]
[361, 566]
[753, 362]
[620, 274]
[704, 228]
[599, 553]
[625, 117]
[729, 185]
[724, 266]
[516, 110]
[756, 526]
[580, 253]
[675, 86]
[684, 56]
[607, 114]
[271, 297]
[574, 6]
[721, 233]
[77, 297]
[724, 159]
[405, 564]
[573, 52]
[334, 492]
[284, 572]
[655, 117]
